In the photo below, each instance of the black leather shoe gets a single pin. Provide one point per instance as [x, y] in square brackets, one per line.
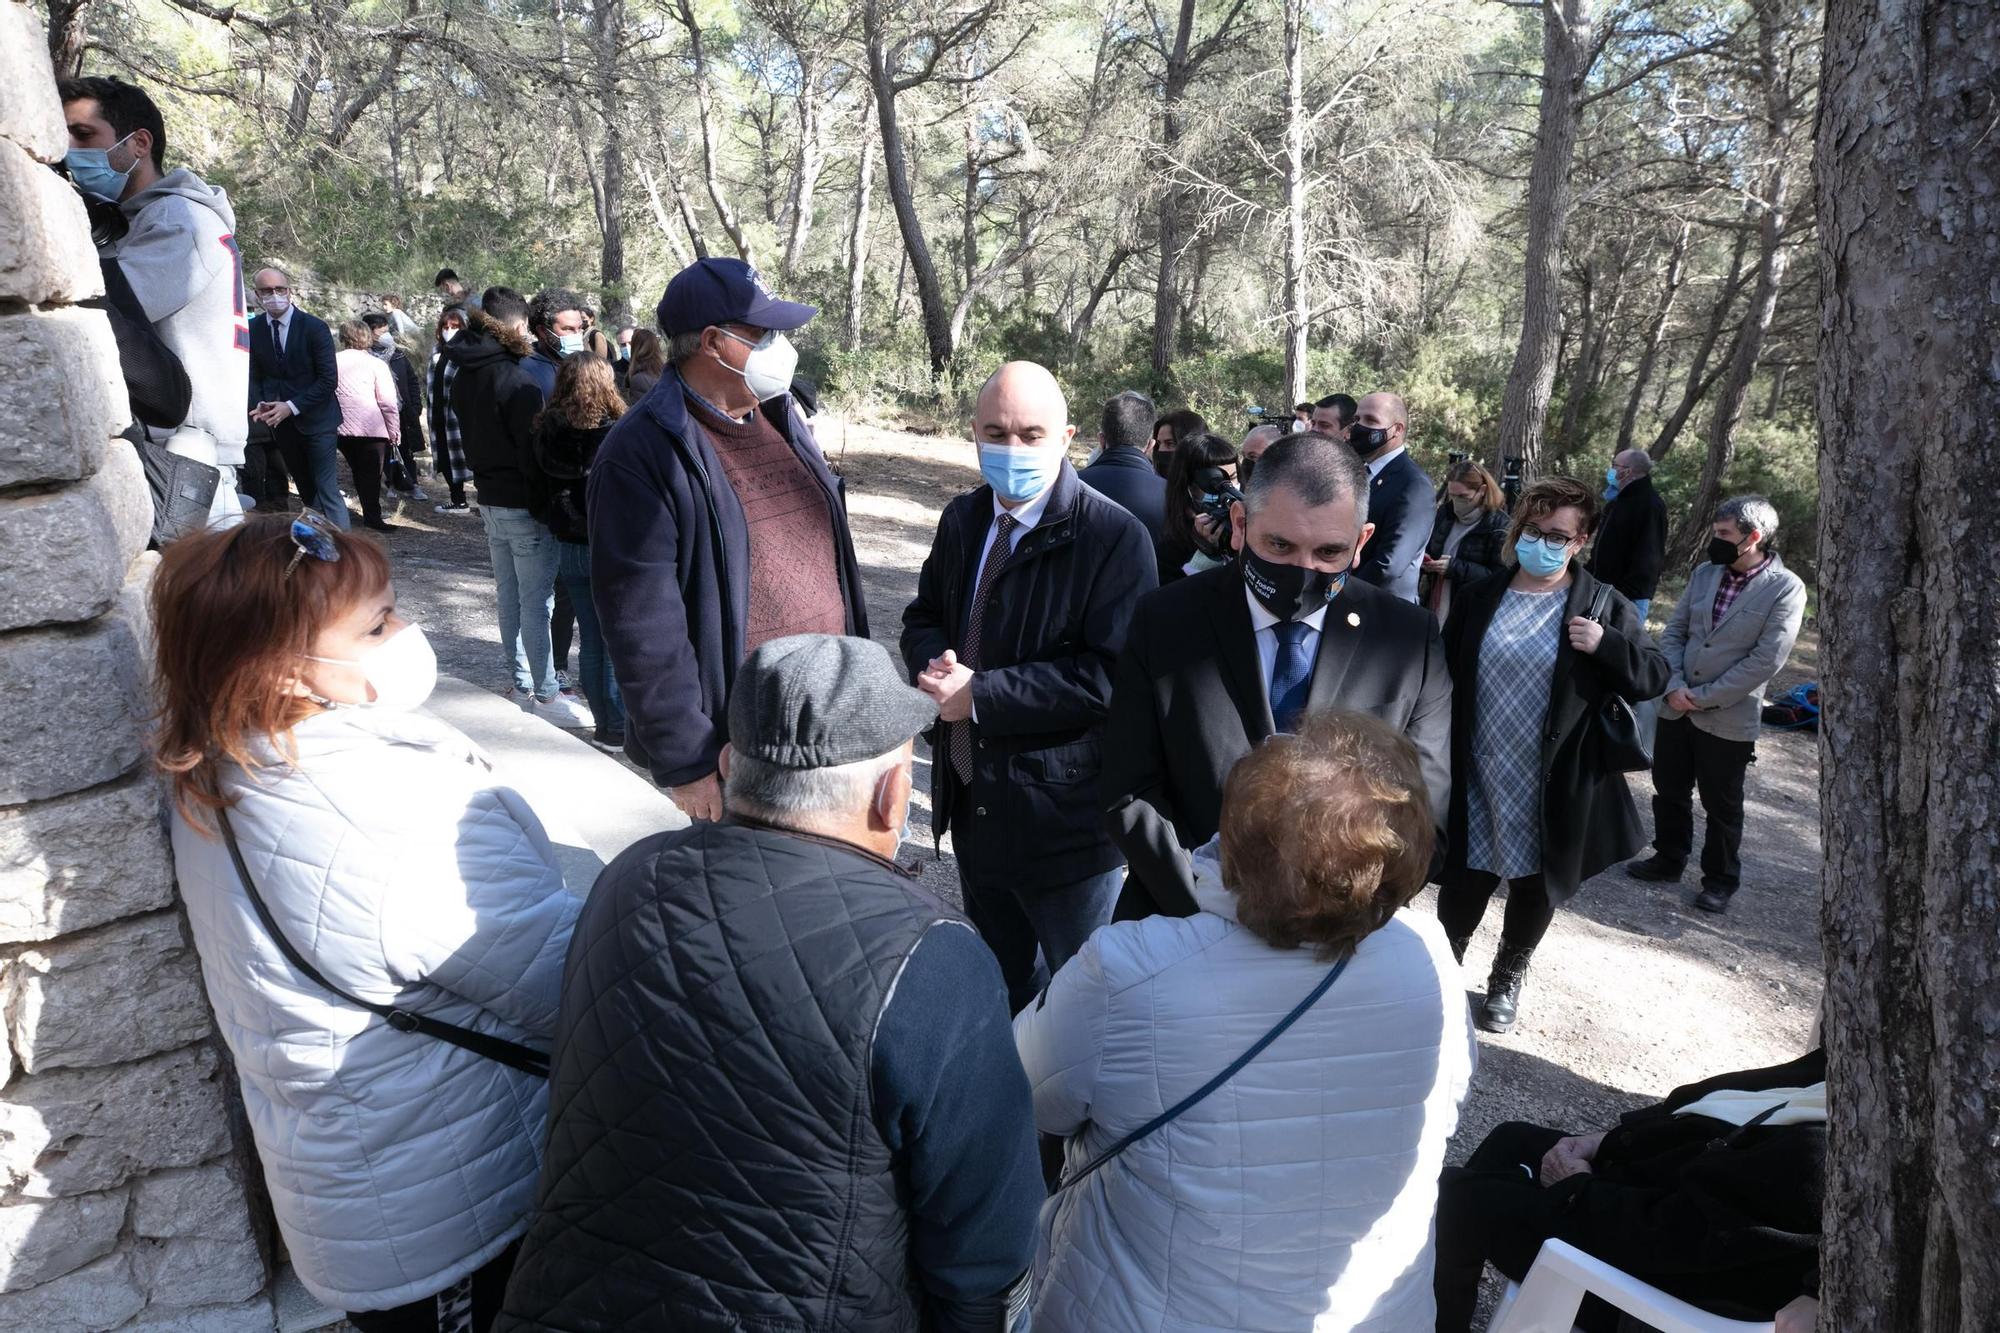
[1709, 900]
[1503, 989]
[1654, 870]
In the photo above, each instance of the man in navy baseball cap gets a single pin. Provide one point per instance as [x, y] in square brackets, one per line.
[725, 291]
[715, 525]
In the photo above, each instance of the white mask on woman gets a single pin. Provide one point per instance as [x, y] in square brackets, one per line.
[402, 672]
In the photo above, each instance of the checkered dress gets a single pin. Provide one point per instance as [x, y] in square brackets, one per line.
[1503, 805]
[447, 448]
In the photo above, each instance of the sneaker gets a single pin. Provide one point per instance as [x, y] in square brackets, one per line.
[415, 494]
[454, 509]
[1655, 870]
[520, 698]
[562, 711]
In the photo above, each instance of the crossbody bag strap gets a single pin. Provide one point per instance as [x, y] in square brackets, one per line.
[1235, 1066]
[1600, 602]
[510, 1053]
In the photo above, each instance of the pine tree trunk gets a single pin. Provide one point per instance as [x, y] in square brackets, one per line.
[896, 169]
[1655, 333]
[1524, 408]
[1296, 316]
[1909, 258]
[857, 235]
[1166, 287]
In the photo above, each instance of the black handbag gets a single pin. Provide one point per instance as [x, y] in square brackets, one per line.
[1619, 740]
[510, 1053]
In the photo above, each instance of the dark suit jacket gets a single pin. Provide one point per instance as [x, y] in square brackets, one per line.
[1055, 621]
[1400, 502]
[1190, 700]
[1588, 819]
[1632, 541]
[303, 376]
[1128, 478]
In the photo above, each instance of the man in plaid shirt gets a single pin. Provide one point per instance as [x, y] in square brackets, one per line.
[1730, 634]
[447, 449]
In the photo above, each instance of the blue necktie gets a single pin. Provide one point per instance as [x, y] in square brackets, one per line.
[1290, 674]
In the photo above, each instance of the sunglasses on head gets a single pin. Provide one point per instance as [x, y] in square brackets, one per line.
[312, 536]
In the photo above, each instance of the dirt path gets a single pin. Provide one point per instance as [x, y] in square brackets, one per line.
[1633, 992]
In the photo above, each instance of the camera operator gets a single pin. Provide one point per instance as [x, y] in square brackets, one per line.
[1197, 527]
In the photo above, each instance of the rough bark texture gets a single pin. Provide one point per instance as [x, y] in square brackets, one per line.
[896, 168]
[857, 236]
[607, 35]
[1296, 317]
[1166, 292]
[1909, 212]
[1655, 332]
[1524, 408]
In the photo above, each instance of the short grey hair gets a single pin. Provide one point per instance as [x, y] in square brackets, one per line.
[682, 347]
[1751, 513]
[1267, 432]
[1317, 468]
[779, 795]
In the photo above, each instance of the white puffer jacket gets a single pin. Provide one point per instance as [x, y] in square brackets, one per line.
[397, 1163]
[1299, 1195]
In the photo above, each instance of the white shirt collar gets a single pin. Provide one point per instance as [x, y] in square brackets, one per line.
[1375, 468]
[1029, 514]
[1261, 619]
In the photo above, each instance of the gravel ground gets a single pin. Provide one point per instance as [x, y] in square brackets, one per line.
[1633, 992]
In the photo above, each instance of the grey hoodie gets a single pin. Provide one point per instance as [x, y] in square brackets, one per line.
[179, 254]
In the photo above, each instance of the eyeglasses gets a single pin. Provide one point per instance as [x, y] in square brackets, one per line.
[274, 291]
[1535, 534]
[313, 536]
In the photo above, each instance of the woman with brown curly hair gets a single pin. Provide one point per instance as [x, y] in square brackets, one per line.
[1297, 1193]
[355, 879]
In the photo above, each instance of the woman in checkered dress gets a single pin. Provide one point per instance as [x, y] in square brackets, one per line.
[1533, 801]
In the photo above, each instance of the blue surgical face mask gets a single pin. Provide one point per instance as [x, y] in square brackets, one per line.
[1611, 483]
[1541, 557]
[570, 343]
[1019, 472]
[90, 170]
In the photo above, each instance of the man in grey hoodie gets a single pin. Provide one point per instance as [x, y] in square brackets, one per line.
[173, 237]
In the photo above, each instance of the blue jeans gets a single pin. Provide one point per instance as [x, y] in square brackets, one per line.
[1017, 921]
[1642, 605]
[524, 577]
[600, 683]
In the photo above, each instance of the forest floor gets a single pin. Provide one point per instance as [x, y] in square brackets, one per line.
[1633, 992]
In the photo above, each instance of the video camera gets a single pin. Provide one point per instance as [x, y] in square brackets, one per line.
[1510, 484]
[1218, 493]
[1268, 416]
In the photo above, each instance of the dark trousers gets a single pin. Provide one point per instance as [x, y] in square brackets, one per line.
[1462, 900]
[1494, 1210]
[1685, 758]
[364, 458]
[472, 1302]
[262, 477]
[315, 468]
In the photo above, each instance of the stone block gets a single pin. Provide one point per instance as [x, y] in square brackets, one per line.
[62, 398]
[75, 1131]
[65, 685]
[64, 552]
[46, 257]
[42, 1239]
[252, 1316]
[95, 1297]
[30, 114]
[109, 995]
[79, 861]
[195, 1241]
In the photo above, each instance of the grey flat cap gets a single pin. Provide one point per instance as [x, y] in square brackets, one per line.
[821, 700]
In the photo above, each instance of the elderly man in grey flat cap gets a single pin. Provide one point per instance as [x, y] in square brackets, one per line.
[785, 1090]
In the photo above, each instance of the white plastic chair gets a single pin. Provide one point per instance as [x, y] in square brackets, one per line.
[1547, 1302]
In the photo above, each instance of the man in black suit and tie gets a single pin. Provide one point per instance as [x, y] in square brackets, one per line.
[1215, 663]
[292, 379]
[1400, 498]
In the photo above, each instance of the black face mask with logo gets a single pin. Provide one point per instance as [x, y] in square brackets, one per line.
[1365, 440]
[1289, 592]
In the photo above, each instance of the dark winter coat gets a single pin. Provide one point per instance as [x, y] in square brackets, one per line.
[670, 573]
[496, 404]
[1632, 541]
[1588, 819]
[1055, 624]
[565, 453]
[785, 1096]
[1128, 478]
[409, 400]
[1478, 554]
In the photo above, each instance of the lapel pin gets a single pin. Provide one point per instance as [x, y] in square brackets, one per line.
[1354, 619]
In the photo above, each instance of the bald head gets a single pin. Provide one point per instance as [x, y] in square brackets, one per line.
[1261, 438]
[1380, 424]
[1633, 464]
[1022, 405]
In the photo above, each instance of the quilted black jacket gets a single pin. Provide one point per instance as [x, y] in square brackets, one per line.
[744, 1135]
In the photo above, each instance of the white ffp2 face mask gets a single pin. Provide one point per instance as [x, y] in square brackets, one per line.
[402, 672]
[770, 366]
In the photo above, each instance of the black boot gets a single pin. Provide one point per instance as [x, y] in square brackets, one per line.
[1458, 945]
[1503, 988]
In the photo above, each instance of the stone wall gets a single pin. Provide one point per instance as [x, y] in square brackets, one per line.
[124, 1195]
